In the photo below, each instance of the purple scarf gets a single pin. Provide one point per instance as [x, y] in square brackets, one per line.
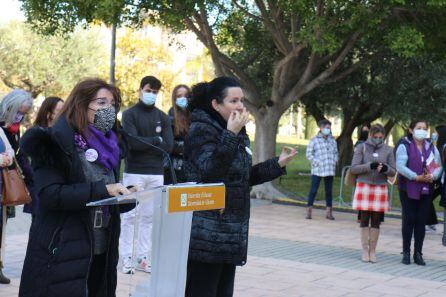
[106, 146]
[417, 163]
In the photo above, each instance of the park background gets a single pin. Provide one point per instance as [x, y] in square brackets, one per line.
[298, 61]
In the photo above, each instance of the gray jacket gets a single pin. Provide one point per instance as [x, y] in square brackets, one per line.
[367, 153]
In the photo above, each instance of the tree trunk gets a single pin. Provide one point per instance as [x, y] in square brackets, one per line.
[345, 147]
[113, 55]
[265, 148]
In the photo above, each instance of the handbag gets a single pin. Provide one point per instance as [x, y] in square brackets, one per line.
[350, 178]
[15, 191]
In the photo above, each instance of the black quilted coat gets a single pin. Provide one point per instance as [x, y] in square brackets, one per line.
[214, 154]
[60, 246]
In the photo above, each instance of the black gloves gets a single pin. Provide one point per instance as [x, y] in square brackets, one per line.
[374, 165]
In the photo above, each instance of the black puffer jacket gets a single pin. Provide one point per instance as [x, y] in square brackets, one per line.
[60, 244]
[214, 154]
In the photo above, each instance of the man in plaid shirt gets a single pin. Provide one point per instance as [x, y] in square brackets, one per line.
[322, 152]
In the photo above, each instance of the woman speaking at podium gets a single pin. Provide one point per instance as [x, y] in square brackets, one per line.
[73, 249]
[217, 150]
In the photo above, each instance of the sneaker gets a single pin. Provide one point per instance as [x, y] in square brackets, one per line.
[127, 266]
[143, 265]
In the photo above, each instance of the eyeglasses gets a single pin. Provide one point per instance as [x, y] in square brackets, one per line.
[104, 103]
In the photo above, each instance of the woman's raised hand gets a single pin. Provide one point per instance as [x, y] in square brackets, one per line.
[237, 120]
[287, 155]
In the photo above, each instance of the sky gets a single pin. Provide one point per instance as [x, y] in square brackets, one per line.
[10, 10]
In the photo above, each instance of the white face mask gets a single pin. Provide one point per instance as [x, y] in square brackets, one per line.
[420, 134]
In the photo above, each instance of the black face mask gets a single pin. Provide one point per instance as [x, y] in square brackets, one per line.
[364, 135]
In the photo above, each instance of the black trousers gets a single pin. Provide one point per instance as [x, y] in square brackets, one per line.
[415, 214]
[209, 280]
[96, 277]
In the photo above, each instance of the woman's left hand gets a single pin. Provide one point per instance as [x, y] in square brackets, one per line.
[287, 155]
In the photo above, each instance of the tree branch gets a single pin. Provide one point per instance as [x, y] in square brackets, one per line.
[222, 62]
[347, 72]
[299, 91]
[246, 11]
[280, 39]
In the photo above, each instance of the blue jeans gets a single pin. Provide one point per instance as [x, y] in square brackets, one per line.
[315, 182]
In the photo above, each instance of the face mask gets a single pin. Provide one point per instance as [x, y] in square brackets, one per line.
[104, 119]
[148, 98]
[434, 137]
[326, 131]
[182, 102]
[377, 140]
[420, 134]
[19, 117]
[364, 135]
[14, 128]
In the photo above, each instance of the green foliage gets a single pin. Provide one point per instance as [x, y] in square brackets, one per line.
[406, 41]
[47, 64]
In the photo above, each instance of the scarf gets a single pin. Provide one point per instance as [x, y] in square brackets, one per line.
[105, 144]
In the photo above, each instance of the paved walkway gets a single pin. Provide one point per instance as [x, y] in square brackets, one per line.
[290, 256]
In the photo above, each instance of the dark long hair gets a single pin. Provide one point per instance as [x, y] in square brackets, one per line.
[47, 108]
[181, 116]
[203, 93]
[412, 126]
[76, 107]
[441, 130]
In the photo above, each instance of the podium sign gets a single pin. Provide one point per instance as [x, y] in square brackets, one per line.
[193, 198]
[172, 221]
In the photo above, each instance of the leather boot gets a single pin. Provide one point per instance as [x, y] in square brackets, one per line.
[365, 234]
[374, 235]
[3, 279]
[329, 214]
[309, 213]
[406, 258]
[418, 259]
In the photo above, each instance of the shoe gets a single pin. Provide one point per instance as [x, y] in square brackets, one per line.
[418, 259]
[406, 258]
[127, 266]
[309, 213]
[3, 279]
[374, 235]
[143, 265]
[329, 214]
[365, 233]
[431, 228]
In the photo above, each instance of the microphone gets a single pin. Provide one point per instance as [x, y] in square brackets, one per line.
[166, 154]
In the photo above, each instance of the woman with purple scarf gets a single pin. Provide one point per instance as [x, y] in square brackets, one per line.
[73, 249]
[419, 163]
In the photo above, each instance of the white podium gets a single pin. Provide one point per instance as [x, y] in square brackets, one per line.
[172, 219]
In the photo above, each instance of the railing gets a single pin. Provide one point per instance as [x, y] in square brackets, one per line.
[341, 201]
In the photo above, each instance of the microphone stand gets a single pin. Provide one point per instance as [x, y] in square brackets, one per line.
[172, 169]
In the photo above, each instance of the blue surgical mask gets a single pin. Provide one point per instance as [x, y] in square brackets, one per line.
[326, 131]
[420, 134]
[182, 102]
[434, 137]
[148, 98]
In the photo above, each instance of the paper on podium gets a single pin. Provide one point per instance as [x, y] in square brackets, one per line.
[130, 198]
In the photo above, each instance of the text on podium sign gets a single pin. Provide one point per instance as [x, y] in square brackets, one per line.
[195, 198]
